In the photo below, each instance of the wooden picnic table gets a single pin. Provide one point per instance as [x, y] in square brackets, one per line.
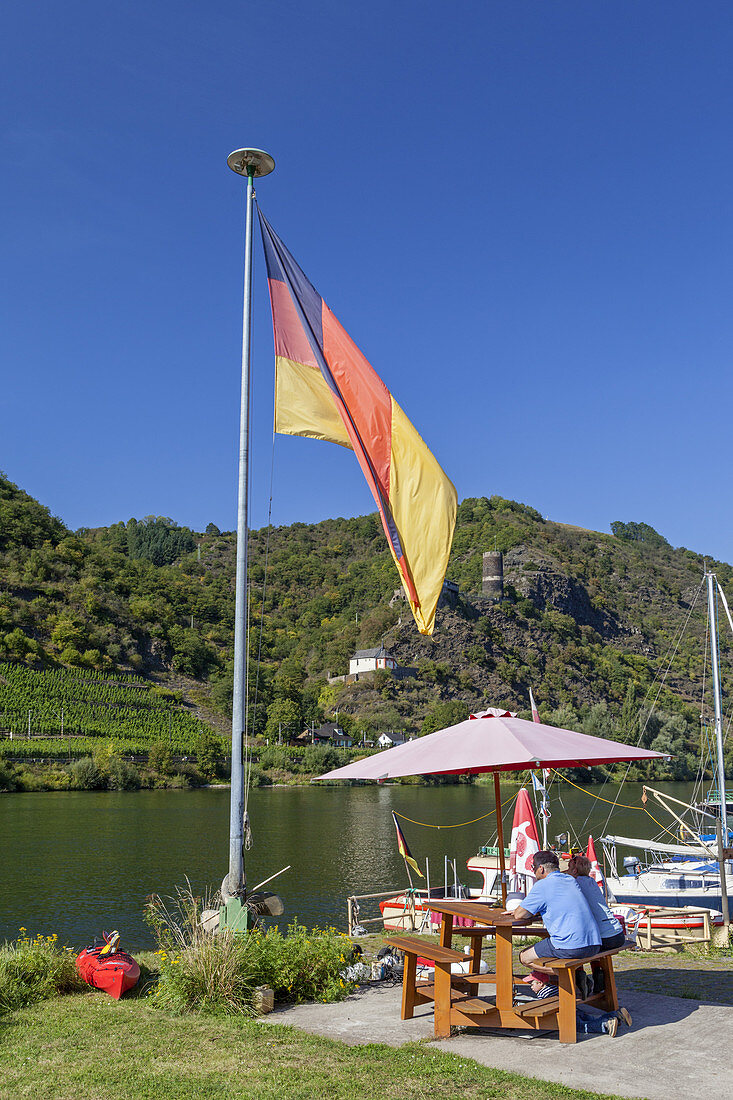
[454, 995]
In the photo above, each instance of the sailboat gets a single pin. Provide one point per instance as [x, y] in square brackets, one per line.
[697, 872]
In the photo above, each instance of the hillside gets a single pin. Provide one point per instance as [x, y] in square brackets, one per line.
[587, 620]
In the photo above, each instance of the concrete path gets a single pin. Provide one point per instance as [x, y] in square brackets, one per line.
[676, 1050]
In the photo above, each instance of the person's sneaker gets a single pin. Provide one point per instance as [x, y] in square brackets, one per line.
[599, 981]
[581, 983]
[611, 1027]
[625, 1015]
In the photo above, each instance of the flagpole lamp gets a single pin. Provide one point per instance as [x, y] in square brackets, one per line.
[249, 163]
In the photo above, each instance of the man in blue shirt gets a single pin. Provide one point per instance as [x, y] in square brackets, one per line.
[565, 914]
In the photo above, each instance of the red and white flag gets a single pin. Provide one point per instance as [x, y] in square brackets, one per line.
[524, 844]
[533, 706]
[595, 868]
[494, 712]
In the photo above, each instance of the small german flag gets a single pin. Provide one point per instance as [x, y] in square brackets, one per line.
[403, 849]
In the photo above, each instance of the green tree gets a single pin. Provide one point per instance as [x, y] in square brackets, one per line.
[208, 753]
[160, 757]
[629, 722]
[442, 715]
[283, 719]
[289, 679]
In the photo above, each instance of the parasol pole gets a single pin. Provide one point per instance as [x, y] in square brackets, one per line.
[249, 163]
[500, 826]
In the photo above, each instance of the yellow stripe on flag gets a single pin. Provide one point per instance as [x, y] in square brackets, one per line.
[304, 404]
[424, 504]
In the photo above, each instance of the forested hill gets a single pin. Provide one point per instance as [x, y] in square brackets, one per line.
[587, 620]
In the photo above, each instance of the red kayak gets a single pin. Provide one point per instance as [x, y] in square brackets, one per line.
[104, 966]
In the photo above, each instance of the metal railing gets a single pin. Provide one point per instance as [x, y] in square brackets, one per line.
[353, 909]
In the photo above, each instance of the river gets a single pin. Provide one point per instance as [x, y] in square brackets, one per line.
[75, 863]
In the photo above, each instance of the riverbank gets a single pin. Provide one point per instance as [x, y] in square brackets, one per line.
[88, 1045]
[39, 776]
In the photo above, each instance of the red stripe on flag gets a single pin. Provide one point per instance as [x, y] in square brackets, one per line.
[290, 339]
[365, 396]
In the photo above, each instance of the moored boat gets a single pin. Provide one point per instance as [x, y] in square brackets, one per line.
[411, 911]
[652, 925]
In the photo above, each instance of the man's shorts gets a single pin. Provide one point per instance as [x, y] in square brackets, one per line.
[546, 949]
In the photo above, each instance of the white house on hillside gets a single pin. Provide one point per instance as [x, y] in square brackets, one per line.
[391, 739]
[369, 660]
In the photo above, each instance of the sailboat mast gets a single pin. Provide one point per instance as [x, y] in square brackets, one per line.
[249, 163]
[712, 612]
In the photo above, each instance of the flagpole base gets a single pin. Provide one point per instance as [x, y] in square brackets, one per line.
[251, 162]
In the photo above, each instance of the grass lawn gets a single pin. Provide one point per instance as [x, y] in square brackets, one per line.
[89, 1047]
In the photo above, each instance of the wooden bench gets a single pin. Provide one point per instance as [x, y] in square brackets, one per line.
[455, 998]
[440, 991]
[568, 997]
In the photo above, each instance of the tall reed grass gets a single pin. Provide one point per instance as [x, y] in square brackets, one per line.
[219, 973]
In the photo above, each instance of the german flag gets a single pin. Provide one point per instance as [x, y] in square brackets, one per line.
[326, 389]
[403, 849]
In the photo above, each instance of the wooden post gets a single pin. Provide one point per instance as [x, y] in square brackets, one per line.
[408, 985]
[349, 919]
[566, 1012]
[610, 994]
[500, 827]
[442, 1000]
[504, 968]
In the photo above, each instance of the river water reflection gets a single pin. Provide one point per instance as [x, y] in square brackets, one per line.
[76, 862]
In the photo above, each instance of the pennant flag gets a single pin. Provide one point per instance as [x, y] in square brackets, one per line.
[326, 389]
[595, 868]
[537, 785]
[524, 843]
[403, 849]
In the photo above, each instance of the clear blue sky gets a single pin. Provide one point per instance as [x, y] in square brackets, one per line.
[521, 211]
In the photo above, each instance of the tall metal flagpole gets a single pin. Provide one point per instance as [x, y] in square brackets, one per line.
[249, 163]
[712, 580]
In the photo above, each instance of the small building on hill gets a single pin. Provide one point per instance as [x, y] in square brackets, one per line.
[391, 739]
[330, 733]
[369, 660]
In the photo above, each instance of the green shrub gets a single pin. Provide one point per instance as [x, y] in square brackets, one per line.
[181, 781]
[8, 781]
[37, 777]
[257, 777]
[123, 776]
[318, 759]
[33, 969]
[160, 757]
[300, 965]
[85, 775]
